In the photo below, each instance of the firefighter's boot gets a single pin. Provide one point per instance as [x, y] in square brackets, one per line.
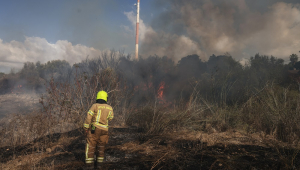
[88, 167]
[99, 166]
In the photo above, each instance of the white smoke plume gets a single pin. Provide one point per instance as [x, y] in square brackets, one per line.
[168, 47]
[216, 27]
[142, 27]
[14, 53]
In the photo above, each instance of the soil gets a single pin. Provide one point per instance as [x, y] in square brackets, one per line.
[132, 149]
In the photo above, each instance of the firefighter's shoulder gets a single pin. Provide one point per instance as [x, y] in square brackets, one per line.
[108, 107]
[94, 106]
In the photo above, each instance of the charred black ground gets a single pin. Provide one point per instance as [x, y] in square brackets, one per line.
[190, 154]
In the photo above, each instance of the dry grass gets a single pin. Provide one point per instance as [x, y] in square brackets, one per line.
[41, 151]
[27, 162]
[274, 111]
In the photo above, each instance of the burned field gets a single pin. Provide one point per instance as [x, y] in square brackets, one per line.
[130, 148]
[197, 96]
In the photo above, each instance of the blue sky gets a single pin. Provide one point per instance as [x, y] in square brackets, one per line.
[97, 24]
[86, 22]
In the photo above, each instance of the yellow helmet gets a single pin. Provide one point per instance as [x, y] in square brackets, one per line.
[102, 95]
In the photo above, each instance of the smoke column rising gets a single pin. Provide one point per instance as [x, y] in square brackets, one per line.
[216, 27]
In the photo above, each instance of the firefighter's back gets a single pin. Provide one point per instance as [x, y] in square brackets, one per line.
[102, 114]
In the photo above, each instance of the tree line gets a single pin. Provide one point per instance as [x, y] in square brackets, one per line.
[221, 78]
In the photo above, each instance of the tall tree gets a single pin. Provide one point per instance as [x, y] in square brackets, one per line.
[293, 58]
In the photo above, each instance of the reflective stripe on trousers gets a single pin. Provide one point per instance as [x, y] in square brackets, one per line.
[100, 159]
[87, 159]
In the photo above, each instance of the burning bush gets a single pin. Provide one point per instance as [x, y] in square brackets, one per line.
[156, 94]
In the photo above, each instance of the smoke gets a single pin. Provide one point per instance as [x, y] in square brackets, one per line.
[14, 53]
[216, 27]
[142, 27]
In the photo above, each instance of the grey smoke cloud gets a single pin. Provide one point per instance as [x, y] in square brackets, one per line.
[216, 27]
[14, 53]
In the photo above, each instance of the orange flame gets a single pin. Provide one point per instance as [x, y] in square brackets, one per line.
[160, 91]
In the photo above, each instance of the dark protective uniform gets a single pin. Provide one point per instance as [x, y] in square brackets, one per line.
[98, 116]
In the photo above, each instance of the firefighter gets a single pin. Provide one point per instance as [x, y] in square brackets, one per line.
[96, 129]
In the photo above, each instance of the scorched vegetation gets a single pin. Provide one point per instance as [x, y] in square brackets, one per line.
[180, 112]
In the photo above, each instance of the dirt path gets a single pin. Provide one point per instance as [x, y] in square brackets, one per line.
[130, 149]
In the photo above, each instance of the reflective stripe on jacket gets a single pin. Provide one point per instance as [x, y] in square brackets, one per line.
[99, 115]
